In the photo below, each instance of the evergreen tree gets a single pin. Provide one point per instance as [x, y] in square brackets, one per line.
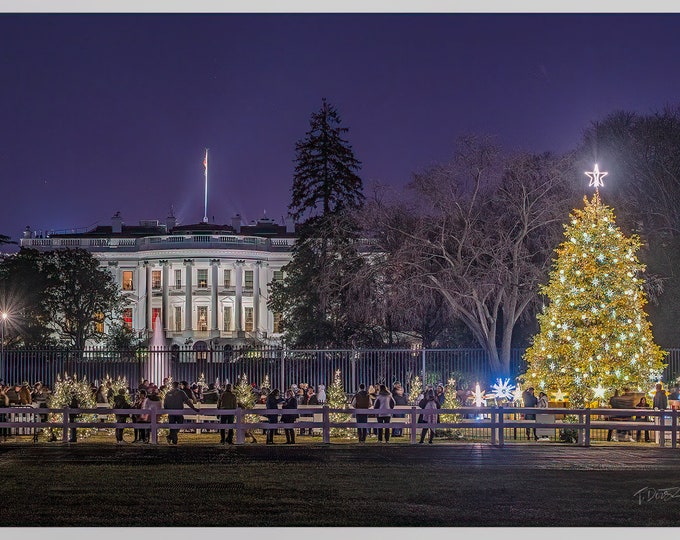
[415, 388]
[336, 399]
[594, 334]
[316, 290]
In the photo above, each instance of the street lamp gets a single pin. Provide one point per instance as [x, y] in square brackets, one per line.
[3, 319]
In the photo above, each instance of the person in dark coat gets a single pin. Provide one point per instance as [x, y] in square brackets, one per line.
[74, 404]
[175, 399]
[120, 402]
[289, 403]
[361, 400]
[530, 400]
[429, 417]
[400, 398]
[227, 401]
[273, 400]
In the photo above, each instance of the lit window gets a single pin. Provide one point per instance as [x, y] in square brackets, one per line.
[202, 318]
[127, 280]
[278, 323]
[178, 318]
[202, 278]
[249, 319]
[248, 279]
[155, 279]
[227, 318]
[278, 275]
[155, 317]
[127, 318]
[99, 323]
[227, 278]
[178, 279]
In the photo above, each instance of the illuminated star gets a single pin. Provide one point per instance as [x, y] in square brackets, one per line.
[596, 177]
[598, 392]
[559, 395]
[502, 389]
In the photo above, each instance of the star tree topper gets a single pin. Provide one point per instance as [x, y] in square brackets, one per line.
[596, 177]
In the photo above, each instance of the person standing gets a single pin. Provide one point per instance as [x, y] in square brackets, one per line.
[74, 404]
[660, 398]
[153, 402]
[4, 403]
[272, 402]
[120, 402]
[175, 400]
[289, 403]
[400, 398]
[361, 400]
[430, 405]
[227, 401]
[642, 404]
[530, 400]
[384, 403]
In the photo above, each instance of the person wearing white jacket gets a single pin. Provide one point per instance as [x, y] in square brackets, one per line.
[384, 403]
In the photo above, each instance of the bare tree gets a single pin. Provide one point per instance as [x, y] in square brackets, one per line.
[482, 231]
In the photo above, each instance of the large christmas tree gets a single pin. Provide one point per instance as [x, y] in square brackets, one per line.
[594, 333]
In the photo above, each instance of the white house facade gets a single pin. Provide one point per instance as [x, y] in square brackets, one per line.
[201, 283]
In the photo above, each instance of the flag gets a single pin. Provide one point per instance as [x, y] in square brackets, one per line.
[205, 161]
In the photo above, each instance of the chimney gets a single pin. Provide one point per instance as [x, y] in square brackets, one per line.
[290, 225]
[170, 222]
[116, 223]
[236, 223]
[27, 232]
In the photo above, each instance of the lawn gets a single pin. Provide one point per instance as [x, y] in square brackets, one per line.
[455, 485]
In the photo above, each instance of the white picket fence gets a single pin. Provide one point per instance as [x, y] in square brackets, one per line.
[25, 420]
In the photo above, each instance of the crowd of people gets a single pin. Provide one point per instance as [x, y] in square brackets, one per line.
[174, 395]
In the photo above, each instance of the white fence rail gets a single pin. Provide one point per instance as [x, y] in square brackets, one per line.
[664, 424]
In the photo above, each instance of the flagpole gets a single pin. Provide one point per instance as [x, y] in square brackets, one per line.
[205, 208]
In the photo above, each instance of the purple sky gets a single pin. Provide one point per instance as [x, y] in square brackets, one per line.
[111, 112]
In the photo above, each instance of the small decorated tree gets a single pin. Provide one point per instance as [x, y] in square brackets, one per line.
[64, 391]
[337, 399]
[415, 388]
[450, 402]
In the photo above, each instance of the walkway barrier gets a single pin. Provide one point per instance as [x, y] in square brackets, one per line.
[502, 424]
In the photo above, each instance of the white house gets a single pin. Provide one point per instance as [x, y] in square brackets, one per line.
[202, 282]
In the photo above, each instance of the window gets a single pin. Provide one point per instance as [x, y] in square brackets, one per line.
[227, 278]
[203, 318]
[155, 279]
[178, 279]
[127, 318]
[248, 277]
[202, 278]
[127, 280]
[227, 318]
[99, 322]
[178, 318]
[278, 275]
[278, 323]
[156, 318]
[249, 319]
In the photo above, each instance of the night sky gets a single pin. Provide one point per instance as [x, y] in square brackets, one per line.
[112, 112]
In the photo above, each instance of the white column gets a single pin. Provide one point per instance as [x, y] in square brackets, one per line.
[256, 296]
[215, 264]
[238, 308]
[188, 313]
[149, 311]
[165, 308]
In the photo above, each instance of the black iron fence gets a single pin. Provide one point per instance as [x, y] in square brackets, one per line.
[280, 366]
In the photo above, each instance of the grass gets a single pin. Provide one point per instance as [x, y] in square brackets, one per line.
[199, 483]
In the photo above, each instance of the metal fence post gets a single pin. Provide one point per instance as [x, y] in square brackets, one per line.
[586, 438]
[674, 432]
[283, 371]
[423, 373]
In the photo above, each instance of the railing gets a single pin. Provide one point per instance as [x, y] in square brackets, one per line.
[494, 419]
